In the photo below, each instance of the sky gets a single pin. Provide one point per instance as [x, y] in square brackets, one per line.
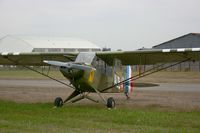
[116, 24]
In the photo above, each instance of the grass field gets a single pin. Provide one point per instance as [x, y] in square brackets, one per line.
[18, 117]
[42, 117]
[27, 74]
[164, 76]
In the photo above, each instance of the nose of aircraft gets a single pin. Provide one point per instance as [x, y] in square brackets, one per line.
[71, 74]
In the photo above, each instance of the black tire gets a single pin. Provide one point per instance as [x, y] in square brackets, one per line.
[110, 102]
[58, 102]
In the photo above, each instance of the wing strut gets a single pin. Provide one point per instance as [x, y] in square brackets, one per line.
[146, 73]
[41, 73]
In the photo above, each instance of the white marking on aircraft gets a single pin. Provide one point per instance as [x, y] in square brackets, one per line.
[16, 53]
[166, 50]
[4, 53]
[195, 49]
[180, 49]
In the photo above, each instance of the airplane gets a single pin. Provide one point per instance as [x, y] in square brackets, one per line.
[97, 72]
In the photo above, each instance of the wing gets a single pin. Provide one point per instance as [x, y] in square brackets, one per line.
[127, 57]
[34, 59]
[150, 56]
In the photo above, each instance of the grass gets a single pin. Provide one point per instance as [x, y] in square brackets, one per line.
[172, 77]
[159, 77]
[27, 74]
[41, 117]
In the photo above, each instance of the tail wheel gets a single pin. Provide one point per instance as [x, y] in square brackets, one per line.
[110, 103]
[58, 102]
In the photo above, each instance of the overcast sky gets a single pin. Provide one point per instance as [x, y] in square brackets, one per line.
[118, 24]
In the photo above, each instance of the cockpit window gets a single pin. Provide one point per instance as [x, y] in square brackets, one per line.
[101, 66]
[85, 57]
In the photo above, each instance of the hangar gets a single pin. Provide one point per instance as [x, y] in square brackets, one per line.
[12, 43]
[191, 40]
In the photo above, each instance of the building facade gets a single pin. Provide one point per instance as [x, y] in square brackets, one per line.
[191, 40]
[45, 44]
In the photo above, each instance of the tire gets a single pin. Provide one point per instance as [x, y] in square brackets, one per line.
[110, 102]
[58, 102]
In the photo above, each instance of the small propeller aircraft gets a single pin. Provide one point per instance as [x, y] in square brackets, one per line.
[90, 72]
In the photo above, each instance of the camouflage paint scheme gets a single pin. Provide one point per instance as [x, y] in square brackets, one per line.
[86, 81]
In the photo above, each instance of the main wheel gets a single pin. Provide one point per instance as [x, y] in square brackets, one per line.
[110, 102]
[58, 102]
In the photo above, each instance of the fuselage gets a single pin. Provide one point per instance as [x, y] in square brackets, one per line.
[89, 73]
[86, 81]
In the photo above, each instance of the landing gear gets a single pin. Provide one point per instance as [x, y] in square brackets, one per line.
[58, 102]
[110, 102]
[77, 96]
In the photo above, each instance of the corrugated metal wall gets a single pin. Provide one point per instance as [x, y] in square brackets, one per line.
[191, 40]
[183, 67]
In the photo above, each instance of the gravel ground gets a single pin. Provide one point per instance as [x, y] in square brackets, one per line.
[165, 95]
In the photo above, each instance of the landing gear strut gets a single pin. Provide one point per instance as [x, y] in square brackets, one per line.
[110, 103]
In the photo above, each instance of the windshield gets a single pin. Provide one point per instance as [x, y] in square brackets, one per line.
[85, 57]
[101, 66]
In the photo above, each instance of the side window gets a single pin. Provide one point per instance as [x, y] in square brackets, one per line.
[117, 66]
[108, 70]
[101, 66]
